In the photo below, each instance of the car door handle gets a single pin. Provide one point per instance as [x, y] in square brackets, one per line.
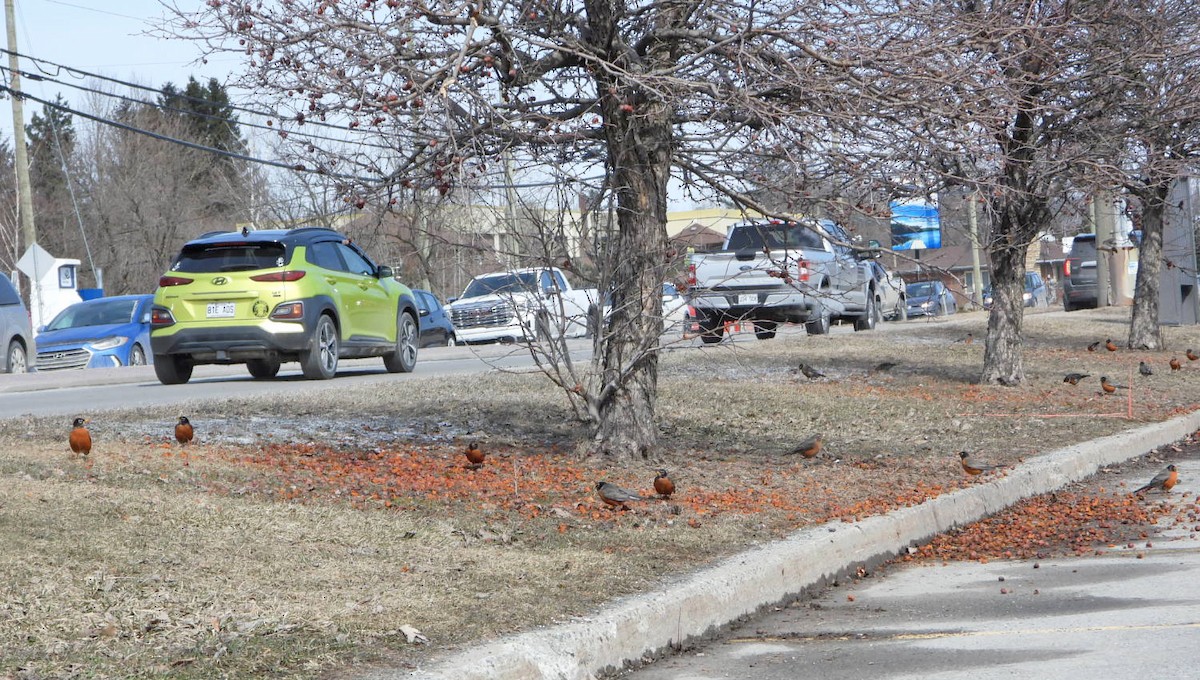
[364, 285]
[331, 280]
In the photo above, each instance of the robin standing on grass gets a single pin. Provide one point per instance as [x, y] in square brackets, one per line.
[1163, 480]
[1074, 378]
[884, 366]
[809, 448]
[974, 468]
[1109, 387]
[184, 432]
[663, 485]
[1144, 369]
[1192, 356]
[966, 339]
[1092, 347]
[475, 455]
[1175, 364]
[1110, 345]
[614, 496]
[81, 440]
[810, 372]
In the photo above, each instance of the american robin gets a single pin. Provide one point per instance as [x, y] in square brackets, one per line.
[1175, 364]
[884, 366]
[663, 485]
[1110, 345]
[1074, 378]
[974, 468]
[810, 372]
[183, 434]
[1192, 356]
[1109, 387]
[966, 339]
[1092, 347]
[474, 454]
[810, 447]
[1145, 369]
[81, 440]
[1163, 480]
[614, 496]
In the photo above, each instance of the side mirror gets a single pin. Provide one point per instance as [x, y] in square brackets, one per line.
[450, 300]
[423, 312]
[384, 272]
[146, 317]
[41, 329]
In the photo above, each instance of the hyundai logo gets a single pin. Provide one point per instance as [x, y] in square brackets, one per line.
[220, 280]
[746, 267]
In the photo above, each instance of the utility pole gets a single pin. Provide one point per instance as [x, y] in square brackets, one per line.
[21, 154]
[976, 274]
[1103, 217]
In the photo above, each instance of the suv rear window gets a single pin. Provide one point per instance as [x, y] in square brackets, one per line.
[239, 257]
[774, 236]
[1083, 248]
[8, 293]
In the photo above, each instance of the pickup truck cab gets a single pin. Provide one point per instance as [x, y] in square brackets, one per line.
[522, 305]
[772, 272]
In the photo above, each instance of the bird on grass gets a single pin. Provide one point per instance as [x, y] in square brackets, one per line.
[810, 447]
[475, 455]
[1092, 347]
[1144, 369]
[975, 468]
[1162, 481]
[80, 440]
[663, 485]
[884, 366]
[1074, 378]
[810, 372]
[1110, 345]
[1192, 356]
[1110, 387]
[1175, 364]
[966, 339]
[184, 432]
[614, 496]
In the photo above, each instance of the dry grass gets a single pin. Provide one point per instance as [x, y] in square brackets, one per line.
[302, 536]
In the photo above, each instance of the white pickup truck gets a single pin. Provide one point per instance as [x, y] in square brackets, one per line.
[522, 304]
[773, 272]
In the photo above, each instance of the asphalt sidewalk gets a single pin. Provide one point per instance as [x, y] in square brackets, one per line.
[702, 603]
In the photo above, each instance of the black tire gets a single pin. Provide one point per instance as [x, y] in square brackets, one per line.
[870, 318]
[15, 359]
[173, 369]
[404, 359]
[712, 328]
[320, 360]
[451, 341]
[902, 310]
[764, 330]
[263, 369]
[821, 324]
[137, 356]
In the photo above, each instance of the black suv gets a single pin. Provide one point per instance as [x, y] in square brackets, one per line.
[1079, 274]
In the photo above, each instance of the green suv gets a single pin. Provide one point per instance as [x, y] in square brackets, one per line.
[264, 297]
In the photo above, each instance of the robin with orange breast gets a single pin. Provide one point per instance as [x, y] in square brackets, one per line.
[475, 455]
[1074, 378]
[80, 440]
[1175, 364]
[810, 447]
[1110, 345]
[184, 432]
[1109, 387]
[614, 496]
[1092, 347]
[974, 468]
[1192, 356]
[1162, 481]
[663, 485]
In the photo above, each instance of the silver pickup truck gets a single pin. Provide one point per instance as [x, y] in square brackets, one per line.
[773, 272]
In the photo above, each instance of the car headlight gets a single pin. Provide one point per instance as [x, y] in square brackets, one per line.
[109, 343]
[1026, 295]
[926, 304]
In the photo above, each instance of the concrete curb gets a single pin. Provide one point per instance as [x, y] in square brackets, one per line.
[740, 585]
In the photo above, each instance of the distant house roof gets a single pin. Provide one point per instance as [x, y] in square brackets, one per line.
[698, 236]
[950, 258]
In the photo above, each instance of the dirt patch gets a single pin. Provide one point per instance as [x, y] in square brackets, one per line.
[307, 531]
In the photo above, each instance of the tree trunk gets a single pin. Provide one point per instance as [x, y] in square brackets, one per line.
[1144, 332]
[1002, 360]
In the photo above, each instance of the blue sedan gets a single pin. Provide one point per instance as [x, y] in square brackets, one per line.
[101, 333]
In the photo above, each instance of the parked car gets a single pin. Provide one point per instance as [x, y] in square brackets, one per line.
[16, 331]
[1036, 294]
[436, 328]
[674, 307]
[264, 297]
[893, 299]
[929, 298]
[1079, 274]
[102, 333]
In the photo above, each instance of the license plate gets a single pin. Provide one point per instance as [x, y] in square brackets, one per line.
[747, 299]
[220, 310]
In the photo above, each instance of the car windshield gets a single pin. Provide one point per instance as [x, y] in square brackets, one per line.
[920, 289]
[524, 282]
[774, 236]
[94, 313]
[211, 258]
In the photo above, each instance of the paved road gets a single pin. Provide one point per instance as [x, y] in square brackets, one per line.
[1115, 616]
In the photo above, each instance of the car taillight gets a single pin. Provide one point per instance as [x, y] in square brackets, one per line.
[691, 277]
[802, 270]
[166, 281]
[288, 311]
[1066, 267]
[160, 317]
[279, 277]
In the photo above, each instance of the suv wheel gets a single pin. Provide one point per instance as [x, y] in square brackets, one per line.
[263, 368]
[15, 359]
[764, 330]
[404, 359]
[712, 327]
[821, 324]
[870, 317]
[137, 356]
[320, 361]
[173, 369]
